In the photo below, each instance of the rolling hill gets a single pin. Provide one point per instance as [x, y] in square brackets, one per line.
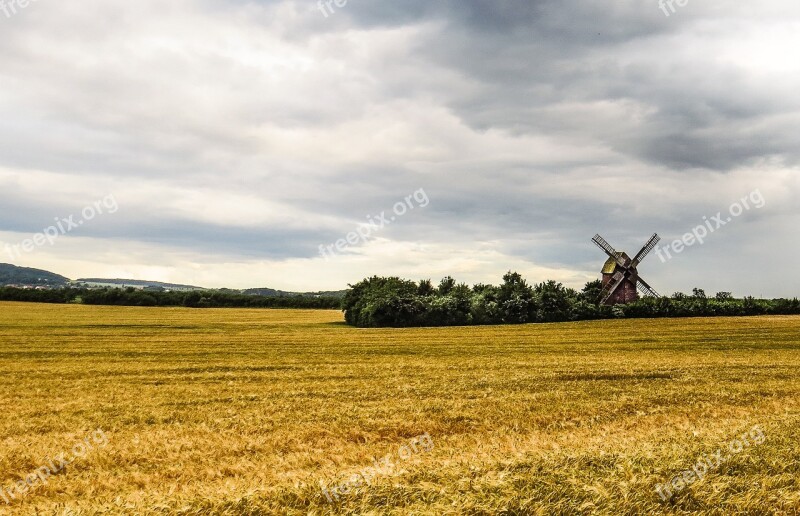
[13, 275]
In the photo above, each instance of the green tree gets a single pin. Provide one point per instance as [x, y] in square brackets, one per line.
[426, 288]
[554, 301]
[446, 285]
[591, 292]
[516, 300]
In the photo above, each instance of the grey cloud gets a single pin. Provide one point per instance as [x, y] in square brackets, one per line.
[259, 98]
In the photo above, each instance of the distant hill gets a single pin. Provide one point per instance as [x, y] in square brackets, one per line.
[104, 282]
[13, 275]
[26, 277]
[268, 292]
[143, 284]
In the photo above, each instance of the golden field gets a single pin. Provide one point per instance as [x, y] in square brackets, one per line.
[247, 411]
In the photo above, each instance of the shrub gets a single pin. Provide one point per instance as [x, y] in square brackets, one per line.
[393, 302]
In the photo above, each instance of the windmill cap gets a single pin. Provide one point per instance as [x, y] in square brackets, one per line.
[611, 264]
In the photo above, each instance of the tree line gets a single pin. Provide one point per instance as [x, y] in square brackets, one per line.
[194, 299]
[395, 302]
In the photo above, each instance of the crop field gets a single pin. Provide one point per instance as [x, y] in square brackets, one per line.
[181, 411]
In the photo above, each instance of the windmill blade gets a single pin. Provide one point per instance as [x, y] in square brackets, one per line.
[609, 291]
[605, 246]
[646, 289]
[646, 249]
[610, 251]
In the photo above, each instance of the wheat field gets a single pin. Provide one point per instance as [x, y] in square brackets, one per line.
[180, 411]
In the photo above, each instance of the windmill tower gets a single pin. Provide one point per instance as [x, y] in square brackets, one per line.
[621, 280]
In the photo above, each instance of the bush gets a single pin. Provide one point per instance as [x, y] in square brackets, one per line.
[133, 297]
[393, 302]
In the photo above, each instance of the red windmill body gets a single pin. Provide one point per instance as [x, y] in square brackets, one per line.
[621, 280]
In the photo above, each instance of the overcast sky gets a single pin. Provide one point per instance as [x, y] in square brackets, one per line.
[237, 137]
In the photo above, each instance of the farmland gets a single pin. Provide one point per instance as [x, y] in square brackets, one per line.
[235, 411]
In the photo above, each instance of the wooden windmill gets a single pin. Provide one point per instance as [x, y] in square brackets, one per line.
[621, 280]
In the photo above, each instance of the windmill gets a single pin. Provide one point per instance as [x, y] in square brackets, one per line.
[620, 277]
